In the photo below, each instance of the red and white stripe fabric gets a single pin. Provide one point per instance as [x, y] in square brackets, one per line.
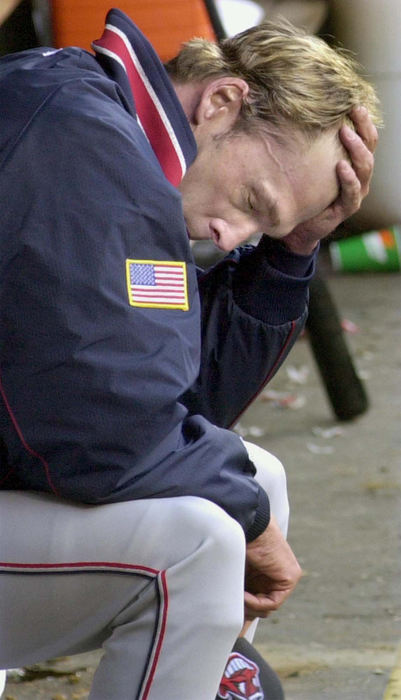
[152, 116]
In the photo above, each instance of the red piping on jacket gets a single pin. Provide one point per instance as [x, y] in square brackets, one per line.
[24, 443]
[273, 369]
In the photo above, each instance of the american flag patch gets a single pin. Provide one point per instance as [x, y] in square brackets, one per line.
[156, 284]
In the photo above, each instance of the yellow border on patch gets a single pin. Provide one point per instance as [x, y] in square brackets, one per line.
[184, 306]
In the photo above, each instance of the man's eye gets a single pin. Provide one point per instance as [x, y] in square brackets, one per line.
[250, 203]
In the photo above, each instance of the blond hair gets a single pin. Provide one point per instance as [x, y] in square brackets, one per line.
[292, 76]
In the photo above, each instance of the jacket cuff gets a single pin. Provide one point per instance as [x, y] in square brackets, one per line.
[284, 260]
[271, 283]
[262, 517]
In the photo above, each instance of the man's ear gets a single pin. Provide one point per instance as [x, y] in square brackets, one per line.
[220, 104]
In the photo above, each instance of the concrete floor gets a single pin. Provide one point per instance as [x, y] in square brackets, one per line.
[336, 637]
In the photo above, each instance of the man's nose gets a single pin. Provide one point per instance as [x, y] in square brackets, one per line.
[227, 236]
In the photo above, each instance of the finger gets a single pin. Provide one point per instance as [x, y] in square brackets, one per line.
[254, 607]
[364, 127]
[350, 197]
[251, 614]
[361, 157]
[261, 605]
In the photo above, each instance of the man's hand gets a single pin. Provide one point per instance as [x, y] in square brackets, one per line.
[354, 180]
[271, 572]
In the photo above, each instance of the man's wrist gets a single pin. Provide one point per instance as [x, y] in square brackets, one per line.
[300, 246]
[287, 256]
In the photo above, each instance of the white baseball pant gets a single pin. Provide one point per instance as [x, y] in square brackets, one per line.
[158, 584]
[271, 475]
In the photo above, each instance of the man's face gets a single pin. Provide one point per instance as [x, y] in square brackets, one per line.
[241, 185]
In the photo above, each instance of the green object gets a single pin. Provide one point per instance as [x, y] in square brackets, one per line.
[378, 251]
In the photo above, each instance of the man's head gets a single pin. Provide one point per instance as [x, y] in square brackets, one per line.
[265, 107]
[292, 77]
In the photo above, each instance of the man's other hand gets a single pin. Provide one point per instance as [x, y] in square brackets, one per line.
[271, 572]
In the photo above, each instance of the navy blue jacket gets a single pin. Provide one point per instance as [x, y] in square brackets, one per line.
[92, 380]
[254, 305]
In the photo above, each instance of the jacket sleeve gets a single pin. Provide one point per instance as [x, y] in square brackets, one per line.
[254, 306]
[90, 384]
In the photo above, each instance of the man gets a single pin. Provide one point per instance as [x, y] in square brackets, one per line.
[94, 363]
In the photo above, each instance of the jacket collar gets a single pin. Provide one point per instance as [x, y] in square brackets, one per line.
[129, 59]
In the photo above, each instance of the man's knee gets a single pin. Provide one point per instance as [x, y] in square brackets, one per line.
[265, 462]
[214, 527]
[271, 475]
[216, 566]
